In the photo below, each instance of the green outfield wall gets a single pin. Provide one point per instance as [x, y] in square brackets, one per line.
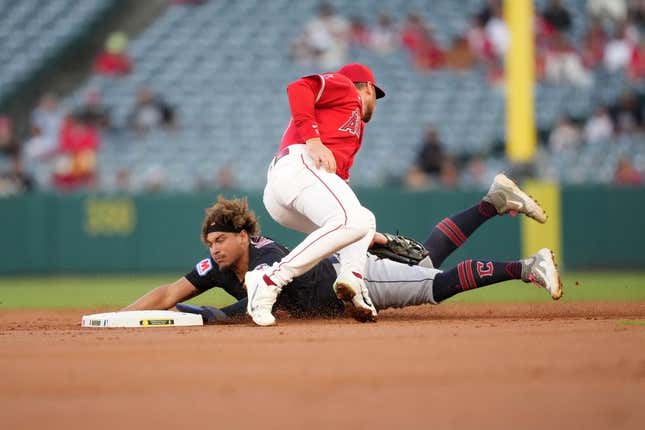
[48, 233]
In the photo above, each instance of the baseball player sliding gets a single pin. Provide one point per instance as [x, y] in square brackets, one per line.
[231, 233]
[307, 189]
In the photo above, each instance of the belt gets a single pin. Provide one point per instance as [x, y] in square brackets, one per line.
[280, 154]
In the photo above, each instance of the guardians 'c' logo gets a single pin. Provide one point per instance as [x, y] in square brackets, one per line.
[484, 271]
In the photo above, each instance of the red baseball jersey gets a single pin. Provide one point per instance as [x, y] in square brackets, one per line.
[326, 106]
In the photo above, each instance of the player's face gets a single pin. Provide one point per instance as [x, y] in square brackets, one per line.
[369, 102]
[226, 248]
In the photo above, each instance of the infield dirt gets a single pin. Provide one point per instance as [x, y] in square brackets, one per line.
[493, 366]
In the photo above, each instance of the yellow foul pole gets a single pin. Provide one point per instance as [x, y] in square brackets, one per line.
[520, 121]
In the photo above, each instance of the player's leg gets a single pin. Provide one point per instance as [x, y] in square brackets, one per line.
[295, 186]
[286, 216]
[504, 196]
[346, 227]
[397, 285]
[539, 268]
[340, 220]
[451, 232]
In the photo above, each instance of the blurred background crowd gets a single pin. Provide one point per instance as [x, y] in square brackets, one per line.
[187, 95]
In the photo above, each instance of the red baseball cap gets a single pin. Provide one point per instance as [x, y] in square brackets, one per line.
[357, 72]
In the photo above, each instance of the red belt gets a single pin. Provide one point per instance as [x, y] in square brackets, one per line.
[280, 154]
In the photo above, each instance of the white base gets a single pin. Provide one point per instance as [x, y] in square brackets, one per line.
[141, 319]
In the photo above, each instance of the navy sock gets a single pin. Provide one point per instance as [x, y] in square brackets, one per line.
[471, 274]
[453, 231]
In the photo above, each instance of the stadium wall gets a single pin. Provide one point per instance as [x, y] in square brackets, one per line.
[46, 233]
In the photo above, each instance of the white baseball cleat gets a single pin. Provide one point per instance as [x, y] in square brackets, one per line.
[507, 197]
[355, 295]
[262, 295]
[541, 270]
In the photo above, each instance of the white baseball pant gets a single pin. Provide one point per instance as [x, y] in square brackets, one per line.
[305, 198]
[397, 285]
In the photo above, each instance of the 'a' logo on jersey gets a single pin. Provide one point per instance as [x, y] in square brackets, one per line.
[353, 124]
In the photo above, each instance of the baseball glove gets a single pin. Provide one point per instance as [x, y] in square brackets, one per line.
[401, 249]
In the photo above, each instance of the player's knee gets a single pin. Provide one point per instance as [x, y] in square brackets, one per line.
[362, 221]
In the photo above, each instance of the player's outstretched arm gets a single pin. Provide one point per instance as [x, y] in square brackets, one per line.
[212, 315]
[165, 296]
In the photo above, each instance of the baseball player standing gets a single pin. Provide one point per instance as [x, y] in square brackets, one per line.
[307, 189]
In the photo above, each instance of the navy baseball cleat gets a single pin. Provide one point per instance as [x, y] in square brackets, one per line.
[210, 314]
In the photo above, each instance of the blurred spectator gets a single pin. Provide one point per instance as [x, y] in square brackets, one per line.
[150, 112]
[599, 127]
[114, 61]
[449, 176]
[49, 118]
[428, 55]
[415, 179]
[37, 147]
[636, 67]
[412, 33]
[94, 112]
[614, 10]
[478, 40]
[38, 154]
[626, 174]
[459, 56]
[636, 12]
[476, 174]
[301, 52]
[384, 37]
[76, 162]
[563, 65]
[627, 113]
[557, 16]
[618, 50]
[428, 163]
[497, 31]
[359, 35]
[16, 181]
[8, 144]
[594, 43]
[155, 179]
[487, 11]
[565, 136]
[325, 39]
[431, 154]
[225, 178]
[22, 180]
[122, 180]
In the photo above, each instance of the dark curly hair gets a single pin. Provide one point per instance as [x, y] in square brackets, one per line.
[234, 212]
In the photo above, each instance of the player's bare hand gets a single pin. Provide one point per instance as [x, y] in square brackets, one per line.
[378, 239]
[321, 155]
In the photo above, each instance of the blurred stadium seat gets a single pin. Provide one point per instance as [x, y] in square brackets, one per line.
[31, 31]
[224, 67]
